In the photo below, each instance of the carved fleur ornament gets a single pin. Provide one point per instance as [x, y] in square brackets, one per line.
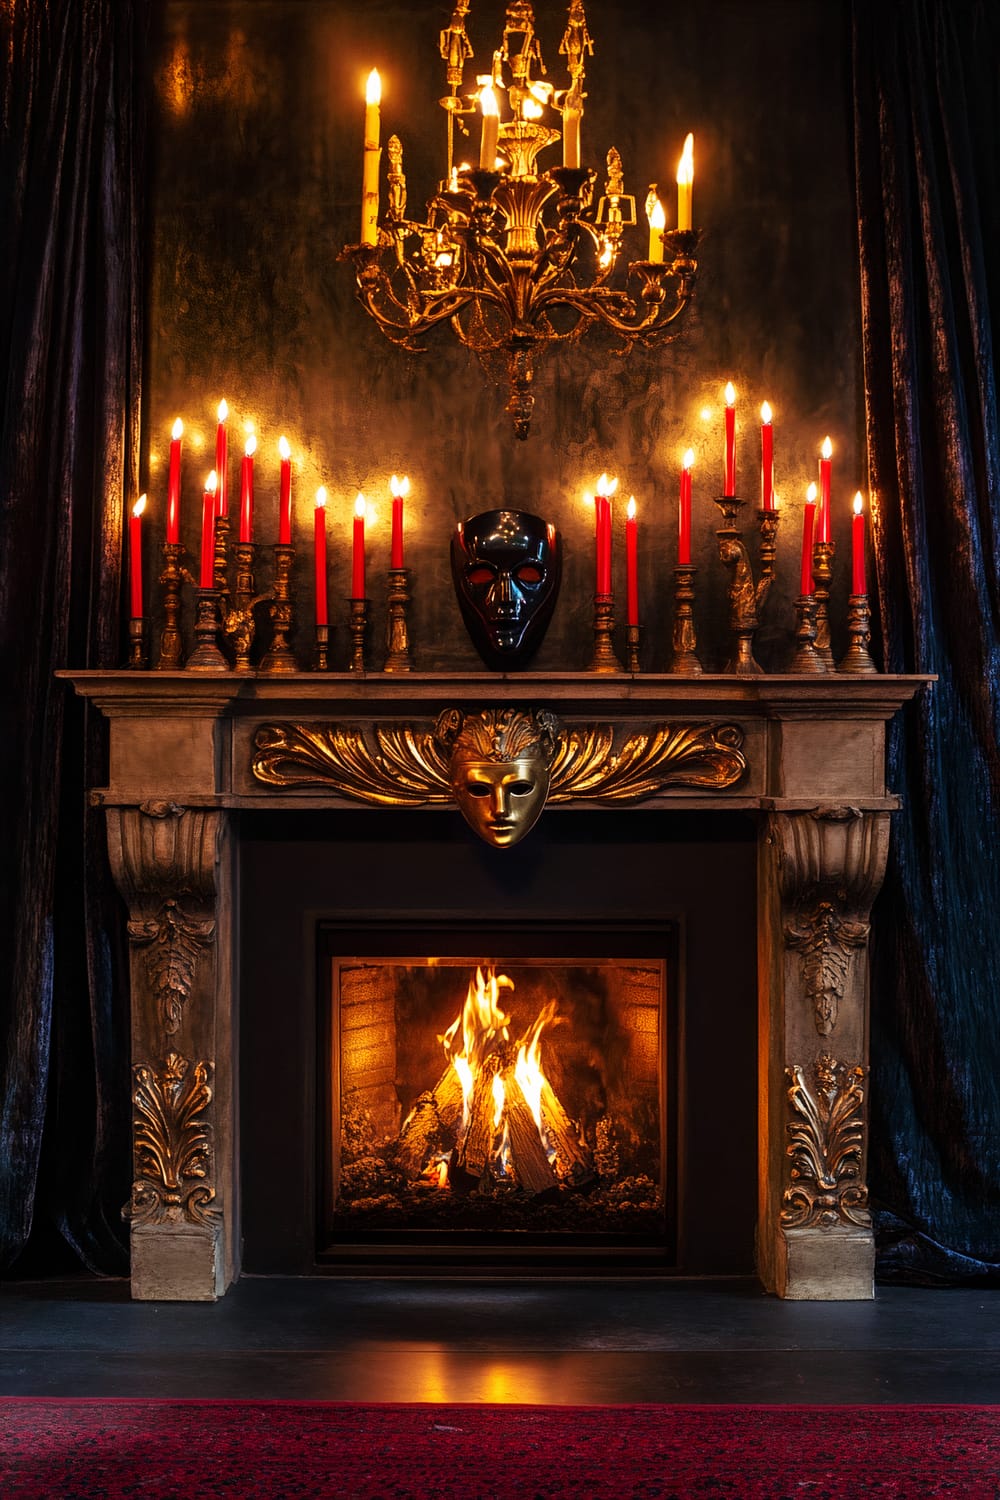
[825, 940]
[826, 1140]
[173, 942]
[172, 1149]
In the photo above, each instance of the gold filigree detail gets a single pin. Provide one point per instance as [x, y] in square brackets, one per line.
[408, 766]
[174, 942]
[826, 1147]
[171, 1142]
[825, 941]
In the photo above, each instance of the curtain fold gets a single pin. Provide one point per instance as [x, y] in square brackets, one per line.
[927, 150]
[71, 168]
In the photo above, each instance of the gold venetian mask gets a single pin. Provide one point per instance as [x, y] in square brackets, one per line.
[500, 768]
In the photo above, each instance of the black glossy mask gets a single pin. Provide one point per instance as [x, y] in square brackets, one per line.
[506, 566]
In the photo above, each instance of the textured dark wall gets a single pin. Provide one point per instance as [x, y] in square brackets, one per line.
[258, 145]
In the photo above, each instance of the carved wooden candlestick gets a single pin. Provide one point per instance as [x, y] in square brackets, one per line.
[137, 656]
[280, 658]
[321, 660]
[397, 638]
[742, 590]
[221, 559]
[684, 660]
[604, 659]
[767, 522]
[806, 658]
[238, 620]
[856, 658]
[206, 656]
[359, 624]
[823, 555]
[171, 647]
[632, 633]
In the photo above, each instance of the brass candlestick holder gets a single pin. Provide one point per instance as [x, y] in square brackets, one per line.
[206, 656]
[604, 659]
[397, 637]
[171, 657]
[632, 633]
[806, 658]
[822, 571]
[746, 598]
[321, 662]
[684, 660]
[221, 558]
[238, 621]
[138, 659]
[359, 624]
[856, 658]
[280, 658]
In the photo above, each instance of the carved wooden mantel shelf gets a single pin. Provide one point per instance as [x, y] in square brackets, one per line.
[807, 754]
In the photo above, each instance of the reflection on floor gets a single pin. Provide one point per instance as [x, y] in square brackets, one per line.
[539, 1341]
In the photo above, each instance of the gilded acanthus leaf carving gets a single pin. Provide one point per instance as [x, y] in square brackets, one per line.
[825, 941]
[408, 766]
[171, 1141]
[173, 941]
[826, 1147]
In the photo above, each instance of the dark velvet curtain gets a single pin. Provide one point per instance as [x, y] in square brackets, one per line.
[927, 140]
[71, 134]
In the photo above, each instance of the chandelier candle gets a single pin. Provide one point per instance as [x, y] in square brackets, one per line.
[135, 556]
[369, 181]
[572, 115]
[808, 526]
[174, 484]
[491, 128]
[246, 489]
[207, 578]
[685, 184]
[684, 514]
[766, 458]
[823, 514]
[400, 488]
[285, 494]
[859, 583]
[730, 475]
[657, 223]
[222, 458]
[631, 565]
[358, 554]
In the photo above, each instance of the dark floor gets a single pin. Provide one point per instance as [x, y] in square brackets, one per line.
[566, 1342]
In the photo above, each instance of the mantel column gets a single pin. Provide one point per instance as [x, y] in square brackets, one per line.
[819, 874]
[172, 865]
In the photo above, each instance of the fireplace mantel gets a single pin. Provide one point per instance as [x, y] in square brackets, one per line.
[180, 763]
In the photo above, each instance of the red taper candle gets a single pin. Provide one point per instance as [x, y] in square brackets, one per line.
[322, 614]
[285, 494]
[400, 489]
[859, 584]
[207, 579]
[174, 484]
[808, 526]
[730, 475]
[766, 458]
[246, 490]
[631, 564]
[135, 557]
[358, 554]
[222, 459]
[684, 512]
[602, 506]
[823, 514]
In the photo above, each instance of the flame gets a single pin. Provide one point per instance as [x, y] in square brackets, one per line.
[657, 215]
[606, 486]
[212, 483]
[373, 88]
[321, 497]
[140, 505]
[283, 448]
[811, 494]
[400, 487]
[826, 448]
[607, 254]
[250, 446]
[360, 506]
[765, 413]
[499, 1100]
[530, 109]
[488, 100]
[859, 503]
[685, 167]
[630, 508]
[177, 430]
[688, 459]
[482, 1023]
[223, 409]
[730, 393]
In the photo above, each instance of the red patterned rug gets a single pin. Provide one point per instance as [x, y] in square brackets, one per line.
[249, 1450]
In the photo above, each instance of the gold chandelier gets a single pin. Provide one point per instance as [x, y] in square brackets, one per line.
[511, 256]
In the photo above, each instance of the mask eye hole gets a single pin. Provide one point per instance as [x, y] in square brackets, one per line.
[476, 789]
[529, 573]
[480, 575]
[522, 788]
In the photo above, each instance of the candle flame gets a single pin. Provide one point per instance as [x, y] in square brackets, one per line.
[630, 510]
[140, 505]
[283, 447]
[827, 448]
[212, 483]
[223, 409]
[688, 459]
[766, 414]
[373, 88]
[177, 429]
[250, 446]
[657, 215]
[360, 507]
[859, 504]
[488, 100]
[730, 393]
[811, 494]
[685, 168]
[399, 487]
[606, 487]
[453, 181]
[531, 109]
[321, 497]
